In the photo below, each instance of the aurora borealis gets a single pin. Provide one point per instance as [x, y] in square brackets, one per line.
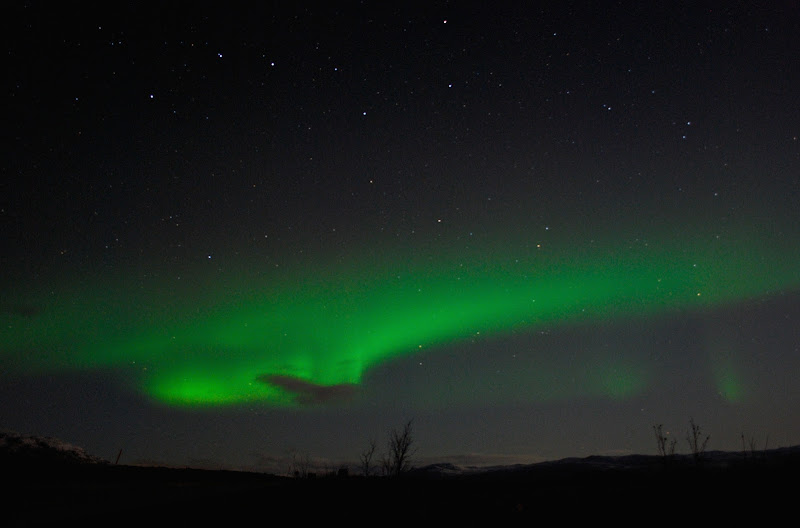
[323, 328]
[232, 234]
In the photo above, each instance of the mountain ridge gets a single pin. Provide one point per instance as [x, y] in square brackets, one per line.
[31, 449]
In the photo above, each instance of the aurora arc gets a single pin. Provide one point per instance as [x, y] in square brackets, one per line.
[310, 334]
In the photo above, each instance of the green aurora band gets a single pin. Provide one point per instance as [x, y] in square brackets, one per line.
[288, 338]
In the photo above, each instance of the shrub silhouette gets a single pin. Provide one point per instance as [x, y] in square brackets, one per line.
[693, 437]
[666, 446]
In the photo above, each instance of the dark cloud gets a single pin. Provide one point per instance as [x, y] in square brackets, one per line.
[307, 393]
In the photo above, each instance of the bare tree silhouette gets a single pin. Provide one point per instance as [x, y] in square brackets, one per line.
[398, 459]
[300, 465]
[366, 458]
[753, 448]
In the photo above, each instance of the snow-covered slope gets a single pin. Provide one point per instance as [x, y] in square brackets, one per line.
[25, 448]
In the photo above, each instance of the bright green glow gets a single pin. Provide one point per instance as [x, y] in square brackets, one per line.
[723, 348]
[201, 342]
[621, 381]
[729, 384]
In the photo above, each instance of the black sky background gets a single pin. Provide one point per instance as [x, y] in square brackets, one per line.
[147, 138]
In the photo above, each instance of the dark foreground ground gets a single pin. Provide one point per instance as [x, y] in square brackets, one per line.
[681, 494]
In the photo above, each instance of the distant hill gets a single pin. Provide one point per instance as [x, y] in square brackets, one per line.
[54, 483]
[719, 460]
[28, 449]
[17, 449]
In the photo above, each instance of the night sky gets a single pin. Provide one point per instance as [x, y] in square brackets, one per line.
[237, 234]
